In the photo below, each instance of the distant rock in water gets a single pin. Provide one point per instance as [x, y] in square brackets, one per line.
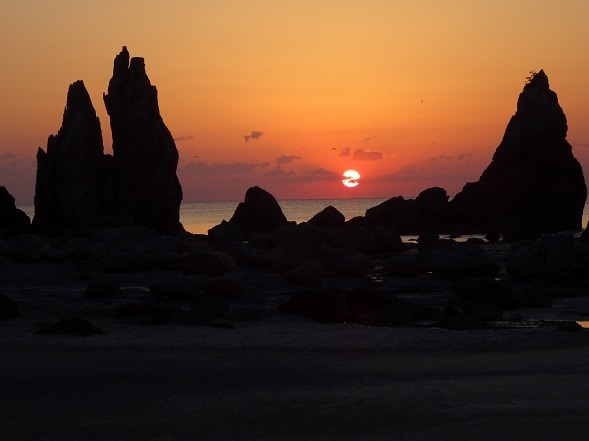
[329, 217]
[77, 185]
[258, 213]
[409, 216]
[145, 157]
[534, 183]
[70, 176]
[11, 218]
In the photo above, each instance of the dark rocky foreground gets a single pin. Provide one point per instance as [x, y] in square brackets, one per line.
[157, 341]
[301, 332]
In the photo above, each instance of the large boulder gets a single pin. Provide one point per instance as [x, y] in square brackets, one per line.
[11, 218]
[457, 261]
[258, 213]
[410, 216]
[552, 256]
[145, 157]
[329, 217]
[534, 184]
[69, 189]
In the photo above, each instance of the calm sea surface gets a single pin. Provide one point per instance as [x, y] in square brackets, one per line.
[199, 217]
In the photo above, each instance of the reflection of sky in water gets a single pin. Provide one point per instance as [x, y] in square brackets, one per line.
[584, 323]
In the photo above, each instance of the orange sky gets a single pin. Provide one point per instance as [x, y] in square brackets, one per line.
[416, 93]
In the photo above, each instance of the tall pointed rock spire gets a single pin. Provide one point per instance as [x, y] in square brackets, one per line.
[534, 183]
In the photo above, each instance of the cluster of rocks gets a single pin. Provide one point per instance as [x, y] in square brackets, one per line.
[310, 254]
[119, 214]
[333, 274]
[79, 186]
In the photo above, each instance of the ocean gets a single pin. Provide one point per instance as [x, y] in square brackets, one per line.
[199, 217]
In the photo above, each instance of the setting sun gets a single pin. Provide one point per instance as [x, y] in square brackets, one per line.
[352, 177]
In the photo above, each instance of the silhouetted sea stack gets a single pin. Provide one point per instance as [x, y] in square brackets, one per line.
[534, 184]
[145, 157]
[78, 186]
[69, 191]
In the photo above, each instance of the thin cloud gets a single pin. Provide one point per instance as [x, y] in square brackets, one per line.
[216, 169]
[183, 138]
[286, 159]
[7, 156]
[464, 156]
[278, 171]
[441, 157]
[345, 151]
[318, 174]
[450, 157]
[13, 163]
[405, 173]
[254, 135]
[366, 155]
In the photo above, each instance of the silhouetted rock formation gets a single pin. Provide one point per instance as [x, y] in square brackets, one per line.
[77, 185]
[70, 176]
[11, 218]
[410, 216]
[258, 213]
[533, 184]
[144, 153]
[329, 217]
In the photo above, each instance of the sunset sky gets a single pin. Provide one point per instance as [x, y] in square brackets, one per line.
[288, 95]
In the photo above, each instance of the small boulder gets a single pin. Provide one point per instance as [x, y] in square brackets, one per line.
[307, 273]
[486, 290]
[103, 285]
[206, 308]
[177, 287]
[350, 262]
[552, 256]
[70, 326]
[401, 265]
[396, 314]
[328, 306]
[362, 302]
[459, 261]
[226, 232]
[225, 286]
[144, 313]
